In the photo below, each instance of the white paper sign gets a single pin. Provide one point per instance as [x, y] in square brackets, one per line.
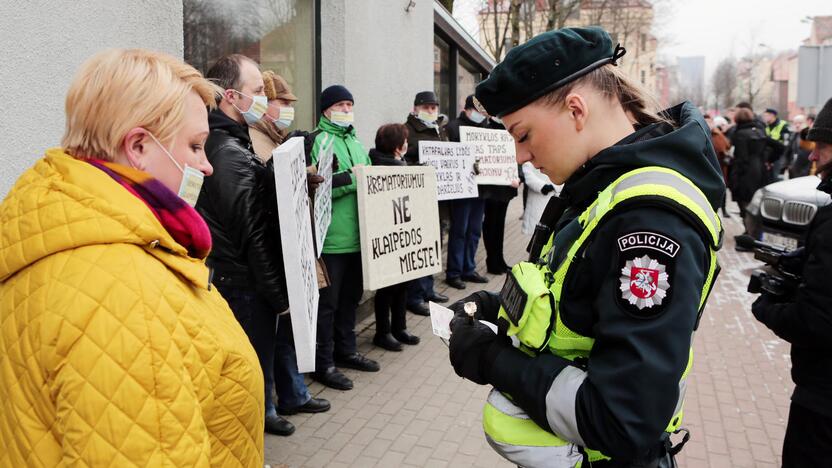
[440, 320]
[398, 215]
[298, 248]
[323, 195]
[454, 164]
[495, 153]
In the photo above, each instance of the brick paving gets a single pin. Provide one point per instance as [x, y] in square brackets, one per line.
[417, 412]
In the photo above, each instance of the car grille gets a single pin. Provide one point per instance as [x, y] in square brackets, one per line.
[771, 208]
[799, 213]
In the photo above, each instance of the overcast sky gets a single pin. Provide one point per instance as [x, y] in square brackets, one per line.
[720, 28]
[715, 28]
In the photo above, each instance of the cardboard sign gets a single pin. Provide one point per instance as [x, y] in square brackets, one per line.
[322, 206]
[398, 215]
[495, 153]
[454, 164]
[298, 248]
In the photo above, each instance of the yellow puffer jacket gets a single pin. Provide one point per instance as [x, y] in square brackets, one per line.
[113, 351]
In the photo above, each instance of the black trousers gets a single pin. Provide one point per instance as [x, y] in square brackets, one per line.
[391, 302]
[808, 439]
[493, 232]
[336, 309]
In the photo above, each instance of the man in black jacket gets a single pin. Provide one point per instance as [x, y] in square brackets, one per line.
[805, 321]
[245, 270]
[425, 123]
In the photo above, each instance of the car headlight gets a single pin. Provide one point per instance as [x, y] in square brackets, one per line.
[753, 207]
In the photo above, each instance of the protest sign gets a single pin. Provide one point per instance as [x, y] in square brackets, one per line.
[454, 164]
[299, 252]
[322, 206]
[398, 216]
[495, 153]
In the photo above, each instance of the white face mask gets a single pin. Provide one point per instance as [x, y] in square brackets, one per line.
[342, 119]
[476, 117]
[287, 116]
[428, 117]
[259, 106]
[192, 178]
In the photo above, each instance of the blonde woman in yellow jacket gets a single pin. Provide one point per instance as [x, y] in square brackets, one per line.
[114, 348]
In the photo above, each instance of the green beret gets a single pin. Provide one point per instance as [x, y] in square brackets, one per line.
[545, 63]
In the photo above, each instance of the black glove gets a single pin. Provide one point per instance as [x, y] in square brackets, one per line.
[472, 343]
[760, 307]
[547, 188]
[488, 304]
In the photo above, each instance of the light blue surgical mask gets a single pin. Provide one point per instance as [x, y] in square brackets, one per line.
[259, 105]
[476, 117]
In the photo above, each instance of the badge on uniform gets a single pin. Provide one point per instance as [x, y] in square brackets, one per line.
[646, 260]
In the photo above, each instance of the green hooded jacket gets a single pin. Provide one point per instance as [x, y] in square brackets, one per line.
[342, 236]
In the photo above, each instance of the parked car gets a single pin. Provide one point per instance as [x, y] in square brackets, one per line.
[780, 213]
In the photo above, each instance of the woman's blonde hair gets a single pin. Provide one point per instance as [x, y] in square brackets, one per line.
[613, 83]
[119, 89]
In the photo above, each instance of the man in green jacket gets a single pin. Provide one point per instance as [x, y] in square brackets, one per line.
[342, 246]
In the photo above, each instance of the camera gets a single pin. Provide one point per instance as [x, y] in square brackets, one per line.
[781, 274]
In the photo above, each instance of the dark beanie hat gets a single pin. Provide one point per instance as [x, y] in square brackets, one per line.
[335, 94]
[822, 129]
[469, 102]
[772, 111]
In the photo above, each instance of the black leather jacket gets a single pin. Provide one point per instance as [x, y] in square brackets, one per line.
[236, 207]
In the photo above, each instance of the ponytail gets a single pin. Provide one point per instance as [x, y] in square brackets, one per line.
[639, 104]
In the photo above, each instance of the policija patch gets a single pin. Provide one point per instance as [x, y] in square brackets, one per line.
[645, 274]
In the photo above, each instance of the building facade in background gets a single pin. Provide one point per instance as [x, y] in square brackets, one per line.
[384, 51]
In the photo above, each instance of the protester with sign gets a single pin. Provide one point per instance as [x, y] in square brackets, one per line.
[342, 248]
[466, 216]
[246, 270]
[425, 123]
[266, 135]
[498, 181]
[391, 146]
[541, 189]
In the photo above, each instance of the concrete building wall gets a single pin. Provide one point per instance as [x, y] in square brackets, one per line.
[44, 43]
[381, 53]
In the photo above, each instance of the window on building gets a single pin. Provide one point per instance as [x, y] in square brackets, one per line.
[467, 79]
[442, 74]
[278, 34]
[643, 42]
[643, 77]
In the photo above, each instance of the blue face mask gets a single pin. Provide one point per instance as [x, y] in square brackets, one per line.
[476, 117]
[259, 105]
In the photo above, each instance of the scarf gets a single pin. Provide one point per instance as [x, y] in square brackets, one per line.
[178, 218]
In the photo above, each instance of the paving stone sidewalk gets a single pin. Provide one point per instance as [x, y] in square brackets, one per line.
[417, 412]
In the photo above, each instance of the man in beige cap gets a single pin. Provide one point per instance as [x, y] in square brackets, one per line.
[271, 130]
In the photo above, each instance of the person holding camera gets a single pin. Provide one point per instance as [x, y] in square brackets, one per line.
[804, 319]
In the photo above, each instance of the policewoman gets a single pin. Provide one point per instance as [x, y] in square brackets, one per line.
[591, 359]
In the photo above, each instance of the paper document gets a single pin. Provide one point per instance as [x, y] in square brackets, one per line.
[440, 319]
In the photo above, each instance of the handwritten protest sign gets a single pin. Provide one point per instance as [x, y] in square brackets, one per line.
[322, 206]
[398, 217]
[299, 254]
[454, 164]
[495, 153]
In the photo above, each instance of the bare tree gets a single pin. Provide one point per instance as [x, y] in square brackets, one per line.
[558, 11]
[724, 82]
[496, 20]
